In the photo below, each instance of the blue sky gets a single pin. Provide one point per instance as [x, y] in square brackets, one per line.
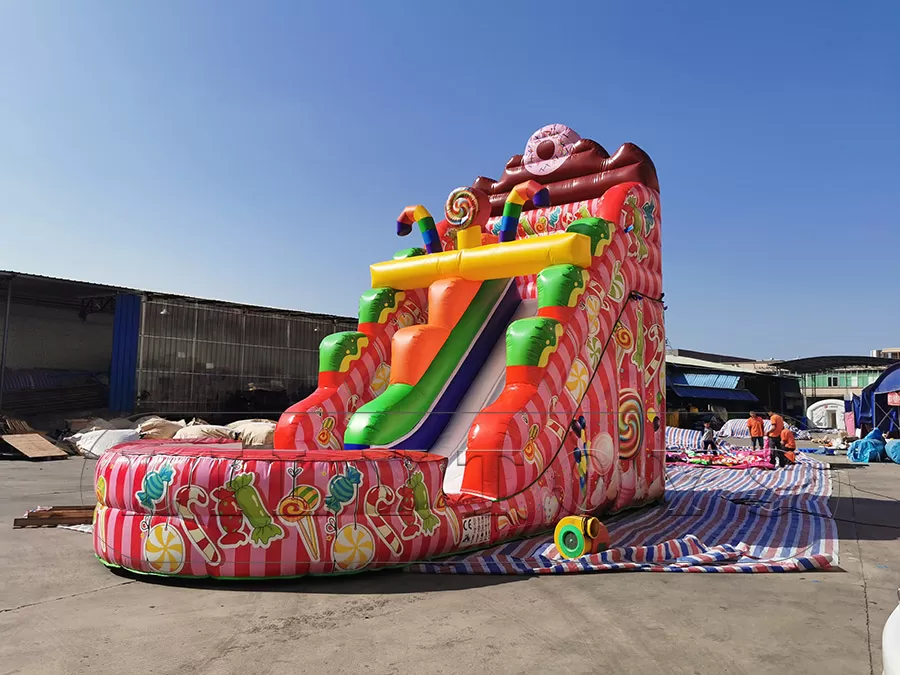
[260, 152]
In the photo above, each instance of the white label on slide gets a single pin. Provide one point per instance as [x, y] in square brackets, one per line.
[476, 530]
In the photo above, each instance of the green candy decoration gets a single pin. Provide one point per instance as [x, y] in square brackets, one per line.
[338, 350]
[637, 358]
[377, 304]
[416, 483]
[409, 253]
[561, 285]
[530, 342]
[250, 504]
[597, 229]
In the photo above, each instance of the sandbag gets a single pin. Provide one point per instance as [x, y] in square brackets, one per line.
[94, 443]
[892, 450]
[868, 449]
[158, 428]
[257, 434]
[196, 431]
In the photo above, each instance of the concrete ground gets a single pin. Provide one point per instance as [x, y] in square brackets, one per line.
[63, 612]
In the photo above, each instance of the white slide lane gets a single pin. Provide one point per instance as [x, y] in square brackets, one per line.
[483, 391]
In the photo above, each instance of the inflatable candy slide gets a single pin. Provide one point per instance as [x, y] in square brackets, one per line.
[507, 378]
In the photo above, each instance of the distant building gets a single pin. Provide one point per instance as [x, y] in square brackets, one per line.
[78, 346]
[696, 386]
[892, 353]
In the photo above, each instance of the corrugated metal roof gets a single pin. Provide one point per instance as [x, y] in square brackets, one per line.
[713, 393]
[717, 380]
[688, 362]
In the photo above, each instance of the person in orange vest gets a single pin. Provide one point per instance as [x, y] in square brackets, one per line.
[777, 422]
[755, 425]
[789, 443]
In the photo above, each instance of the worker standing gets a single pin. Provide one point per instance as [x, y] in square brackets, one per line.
[777, 422]
[789, 448]
[755, 425]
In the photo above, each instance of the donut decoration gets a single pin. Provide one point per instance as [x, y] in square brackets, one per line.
[419, 215]
[631, 423]
[467, 210]
[548, 148]
[353, 547]
[164, 549]
[577, 382]
[512, 209]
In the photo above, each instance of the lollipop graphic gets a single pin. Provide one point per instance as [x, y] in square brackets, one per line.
[577, 383]
[624, 342]
[354, 547]
[164, 549]
[631, 423]
[297, 508]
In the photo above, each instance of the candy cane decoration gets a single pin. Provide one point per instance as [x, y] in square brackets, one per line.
[419, 215]
[658, 353]
[468, 210]
[375, 498]
[512, 209]
[186, 499]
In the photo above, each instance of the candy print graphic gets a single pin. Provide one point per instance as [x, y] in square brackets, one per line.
[100, 512]
[353, 547]
[624, 343]
[421, 504]
[617, 283]
[635, 223]
[513, 518]
[164, 549]
[297, 509]
[326, 438]
[263, 531]
[594, 348]
[548, 148]
[187, 499]
[654, 335]
[631, 423]
[154, 487]
[380, 379]
[531, 452]
[442, 509]
[638, 357]
[577, 382]
[377, 500]
[342, 489]
[230, 519]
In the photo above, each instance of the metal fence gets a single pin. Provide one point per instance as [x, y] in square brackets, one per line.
[196, 358]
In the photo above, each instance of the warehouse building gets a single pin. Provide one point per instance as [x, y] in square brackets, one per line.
[75, 346]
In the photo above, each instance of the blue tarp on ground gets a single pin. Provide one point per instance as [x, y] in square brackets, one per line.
[892, 450]
[868, 449]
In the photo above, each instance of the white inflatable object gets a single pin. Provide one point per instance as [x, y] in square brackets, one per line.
[890, 643]
[827, 414]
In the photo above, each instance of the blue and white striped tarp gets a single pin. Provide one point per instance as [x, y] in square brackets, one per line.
[683, 438]
[714, 520]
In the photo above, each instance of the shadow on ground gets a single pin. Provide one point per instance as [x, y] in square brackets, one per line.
[389, 582]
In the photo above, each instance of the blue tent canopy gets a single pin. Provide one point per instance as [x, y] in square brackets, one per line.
[873, 406]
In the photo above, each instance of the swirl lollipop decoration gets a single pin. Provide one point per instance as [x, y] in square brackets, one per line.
[631, 423]
[468, 210]
[624, 342]
[512, 209]
[419, 215]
